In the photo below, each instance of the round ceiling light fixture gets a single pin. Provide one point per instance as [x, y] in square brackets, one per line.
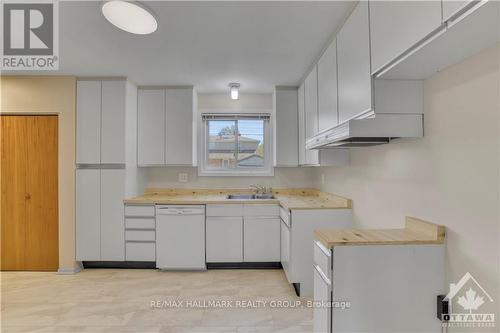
[234, 89]
[130, 16]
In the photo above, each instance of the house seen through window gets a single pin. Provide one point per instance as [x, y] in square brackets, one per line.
[237, 144]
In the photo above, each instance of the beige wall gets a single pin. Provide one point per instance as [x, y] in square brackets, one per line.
[51, 94]
[451, 176]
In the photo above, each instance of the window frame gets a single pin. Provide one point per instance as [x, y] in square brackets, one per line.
[266, 170]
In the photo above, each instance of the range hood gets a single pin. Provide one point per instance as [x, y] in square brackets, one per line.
[380, 129]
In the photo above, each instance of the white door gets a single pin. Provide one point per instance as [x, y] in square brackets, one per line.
[112, 215]
[327, 88]
[224, 239]
[396, 26]
[179, 135]
[285, 249]
[151, 127]
[261, 239]
[311, 113]
[180, 237]
[286, 127]
[322, 295]
[88, 122]
[88, 210]
[113, 122]
[301, 125]
[353, 59]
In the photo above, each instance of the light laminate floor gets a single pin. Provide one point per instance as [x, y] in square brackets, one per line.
[119, 300]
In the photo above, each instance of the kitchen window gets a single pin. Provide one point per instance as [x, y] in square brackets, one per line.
[236, 145]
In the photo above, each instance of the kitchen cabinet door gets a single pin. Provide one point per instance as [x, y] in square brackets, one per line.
[452, 7]
[301, 125]
[112, 215]
[113, 122]
[285, 250]
[261, 239]
[286, 149]
[151, 127]
[311, 103]
[88, 214]
[327, 88]
[396, 26]
[224, 239]
[322, 315]
[88, 122]
[353, 61]
[179, 135]
[311, 113]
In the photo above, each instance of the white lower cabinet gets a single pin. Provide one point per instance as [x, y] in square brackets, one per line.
[285, 249]
[261, 239]
[140, 233]
[224, 239]
[322, 315]
[140, 251]
[99, 215]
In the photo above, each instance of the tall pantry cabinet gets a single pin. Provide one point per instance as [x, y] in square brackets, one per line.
[106, 168]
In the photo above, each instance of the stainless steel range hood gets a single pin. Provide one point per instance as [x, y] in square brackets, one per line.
[380, 129]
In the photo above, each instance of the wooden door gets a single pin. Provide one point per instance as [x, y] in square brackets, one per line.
[29, 185]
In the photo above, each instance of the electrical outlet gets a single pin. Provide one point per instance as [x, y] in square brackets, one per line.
[183, 178]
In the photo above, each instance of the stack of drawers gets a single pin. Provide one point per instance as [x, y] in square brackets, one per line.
[140, 233]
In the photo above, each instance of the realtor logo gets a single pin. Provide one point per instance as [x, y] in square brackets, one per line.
[470, 297]
[30, 35]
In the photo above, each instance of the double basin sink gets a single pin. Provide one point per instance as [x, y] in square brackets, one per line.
[250, 196]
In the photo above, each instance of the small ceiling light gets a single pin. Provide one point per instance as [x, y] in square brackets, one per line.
[234, 90]
[130, 16]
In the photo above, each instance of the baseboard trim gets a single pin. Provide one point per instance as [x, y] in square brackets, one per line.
[68, 270]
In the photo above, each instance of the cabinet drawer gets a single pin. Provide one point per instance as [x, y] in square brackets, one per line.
[225, 210]
[261, 210]
[140, 251]
[139, 223]
[322, 258]
[140, 210]
[140, 235]
[285, 216]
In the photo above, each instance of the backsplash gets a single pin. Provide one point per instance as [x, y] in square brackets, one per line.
[283, 178]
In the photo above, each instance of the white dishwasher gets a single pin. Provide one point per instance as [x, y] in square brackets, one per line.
[180, 237]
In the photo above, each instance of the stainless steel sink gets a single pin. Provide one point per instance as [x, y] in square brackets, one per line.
[250, 196]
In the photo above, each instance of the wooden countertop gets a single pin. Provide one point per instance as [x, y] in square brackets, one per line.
[416, 232]
[288, 198]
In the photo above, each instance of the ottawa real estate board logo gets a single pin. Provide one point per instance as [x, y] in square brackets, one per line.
[470, 305]
[30, 33]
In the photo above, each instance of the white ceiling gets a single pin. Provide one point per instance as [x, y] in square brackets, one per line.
[206, 44]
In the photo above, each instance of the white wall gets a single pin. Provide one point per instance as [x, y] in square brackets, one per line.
[450, 177]
[283, 177]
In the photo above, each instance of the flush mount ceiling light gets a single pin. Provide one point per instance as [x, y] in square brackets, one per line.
[130, 16]
[234, 88]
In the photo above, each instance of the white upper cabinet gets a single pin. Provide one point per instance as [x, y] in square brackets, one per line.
[286, 130]
[396, 26]
[151, 127]
[302, 125]
[113, 122]
[452, 7]
[311, 113]
[311, 103]
[354, 71]
[165, 126]
[327, 88]
[88, 122]
[100, 123]
[179, 135]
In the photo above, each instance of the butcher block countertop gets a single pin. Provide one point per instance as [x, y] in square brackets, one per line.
[416, 232]
[288, 198]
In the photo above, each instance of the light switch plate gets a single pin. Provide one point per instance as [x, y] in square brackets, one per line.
[183, 178]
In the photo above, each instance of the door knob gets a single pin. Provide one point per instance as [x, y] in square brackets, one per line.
[27, 196]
